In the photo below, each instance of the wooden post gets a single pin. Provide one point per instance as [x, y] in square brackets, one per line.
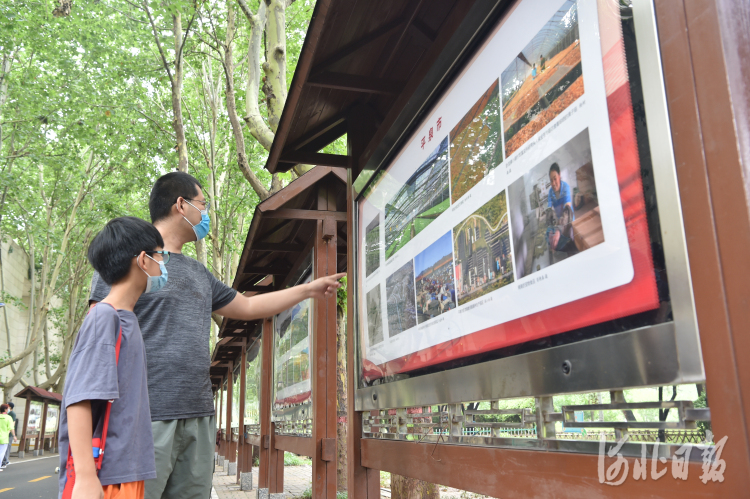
[39, 447]
[230, 385]
[241, 421]
[266, 378]
[218, 416]
[324, 355]
[22, 442]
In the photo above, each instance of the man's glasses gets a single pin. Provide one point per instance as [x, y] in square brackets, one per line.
[164, 255]
[206, 202]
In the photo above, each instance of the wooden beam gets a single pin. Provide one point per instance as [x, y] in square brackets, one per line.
[314, 158]
[277, 247]
[266, 270]
[355, 45]
[304, 446]
[291, 214]
[354, 83]
[326, 127]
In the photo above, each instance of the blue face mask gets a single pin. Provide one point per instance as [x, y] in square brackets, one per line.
[156, 282]
[201, 230]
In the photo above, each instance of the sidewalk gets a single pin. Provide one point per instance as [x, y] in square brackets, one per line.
[297, 479]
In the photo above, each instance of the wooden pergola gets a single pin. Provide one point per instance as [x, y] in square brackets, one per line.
[306, 217]
[35, 394]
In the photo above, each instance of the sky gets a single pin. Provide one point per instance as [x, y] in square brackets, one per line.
[436, 251]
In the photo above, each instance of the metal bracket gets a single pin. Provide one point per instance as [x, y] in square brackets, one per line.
[328, 449]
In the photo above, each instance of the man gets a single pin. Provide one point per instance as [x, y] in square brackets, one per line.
[560, 199]
[176, 322]
[6, 455]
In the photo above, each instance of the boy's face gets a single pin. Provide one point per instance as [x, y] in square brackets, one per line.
[554, 179]
[149, 262]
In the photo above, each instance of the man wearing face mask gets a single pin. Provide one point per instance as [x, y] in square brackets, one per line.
[176, 324]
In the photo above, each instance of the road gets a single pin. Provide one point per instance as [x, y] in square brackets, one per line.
[33, 478]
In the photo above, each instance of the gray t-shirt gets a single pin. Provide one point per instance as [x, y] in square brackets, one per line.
[176, 326]
[93, 374]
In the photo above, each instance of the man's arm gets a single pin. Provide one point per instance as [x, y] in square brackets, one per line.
[248, 308]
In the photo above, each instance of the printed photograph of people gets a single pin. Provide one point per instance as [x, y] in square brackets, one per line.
[374, 316]
[543, 80]
[399, 291]
[481, 245]
[420, 201]
[475, 143]
[436, 291]
[554, 209]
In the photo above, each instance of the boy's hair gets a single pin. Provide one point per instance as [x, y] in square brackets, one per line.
[554, 168]
[167, 189]
[11, 405]
[114, 248]
[3, 408]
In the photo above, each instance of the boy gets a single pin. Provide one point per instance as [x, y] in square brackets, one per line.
[6, 458]
[6, 429]
[128, 256]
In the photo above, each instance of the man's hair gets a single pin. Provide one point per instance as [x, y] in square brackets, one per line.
[167, 189]
[554, 168]
[12, 405]
[113, 249]
[4, 407]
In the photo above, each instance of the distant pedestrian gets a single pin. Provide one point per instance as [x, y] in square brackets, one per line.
[6, 456]
[6, 430]
[533, 72]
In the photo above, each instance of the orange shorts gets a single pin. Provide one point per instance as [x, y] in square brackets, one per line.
[130, 490]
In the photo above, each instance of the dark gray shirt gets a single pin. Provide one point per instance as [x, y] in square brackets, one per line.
[94, 375]
[176, 326]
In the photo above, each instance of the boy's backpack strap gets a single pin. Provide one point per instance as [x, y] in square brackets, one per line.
[108, 410]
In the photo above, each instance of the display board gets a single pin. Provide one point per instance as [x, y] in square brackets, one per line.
[291, 357]
[516, 210]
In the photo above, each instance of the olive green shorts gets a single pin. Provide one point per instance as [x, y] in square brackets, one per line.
[184, 451]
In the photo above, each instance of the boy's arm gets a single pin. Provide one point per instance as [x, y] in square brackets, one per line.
[79, 434]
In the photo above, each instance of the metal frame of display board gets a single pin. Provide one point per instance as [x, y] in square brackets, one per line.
[667, 353]
[697, 141]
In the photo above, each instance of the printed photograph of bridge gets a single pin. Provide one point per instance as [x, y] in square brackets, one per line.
[481, 245]
[423, 198]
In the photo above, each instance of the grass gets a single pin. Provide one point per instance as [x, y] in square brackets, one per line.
[295, 460]
[307, 494]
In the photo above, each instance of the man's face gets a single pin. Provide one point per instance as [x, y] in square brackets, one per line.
[554, 179]
[193, 213]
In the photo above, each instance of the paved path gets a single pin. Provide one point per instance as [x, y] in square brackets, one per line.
[297, 479]
[32, 477]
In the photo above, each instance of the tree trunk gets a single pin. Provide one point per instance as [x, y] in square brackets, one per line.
[234, 120]
[274, 84]
[410, 488]
[179, 128]
[341, 396]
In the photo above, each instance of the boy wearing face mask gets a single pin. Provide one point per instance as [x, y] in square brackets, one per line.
[107, 372]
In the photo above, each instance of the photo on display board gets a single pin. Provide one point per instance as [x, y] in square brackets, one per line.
[374, 316]
[543, 80]
[475, 143]
[399, 290]
[420, 201]
[372, 246]
[436, 290]
[554, 209]
[481, 245]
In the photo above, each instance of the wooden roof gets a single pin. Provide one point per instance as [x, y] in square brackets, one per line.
[40, 395]
[367, 68]
[280, 237]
